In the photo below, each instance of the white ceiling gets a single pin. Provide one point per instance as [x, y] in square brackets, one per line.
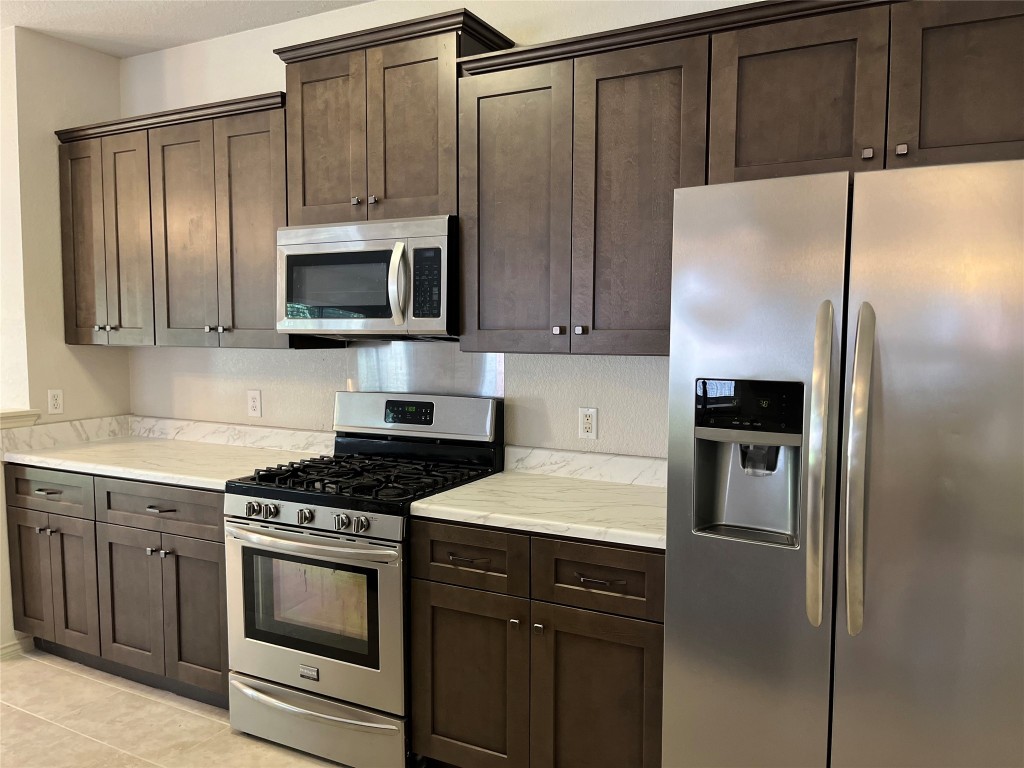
[129, 27]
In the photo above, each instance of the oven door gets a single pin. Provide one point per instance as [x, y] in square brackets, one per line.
[351, 287]
[317, 611]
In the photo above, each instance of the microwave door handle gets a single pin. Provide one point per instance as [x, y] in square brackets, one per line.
[394, 295]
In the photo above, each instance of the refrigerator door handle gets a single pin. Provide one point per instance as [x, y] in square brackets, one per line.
[817, 440]
[856, 460]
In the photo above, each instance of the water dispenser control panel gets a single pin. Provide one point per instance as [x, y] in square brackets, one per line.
[760, 406]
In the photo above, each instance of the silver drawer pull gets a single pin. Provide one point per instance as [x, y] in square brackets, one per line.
[47, 492]
[165, 552]
[584, 580]
[154, 508]
[150, 551]
[452, 557]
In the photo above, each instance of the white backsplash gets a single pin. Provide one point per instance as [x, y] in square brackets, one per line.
[233, 434]
[61, 433]
[612, 468]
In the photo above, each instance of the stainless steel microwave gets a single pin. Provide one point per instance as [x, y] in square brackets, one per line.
[379, 278]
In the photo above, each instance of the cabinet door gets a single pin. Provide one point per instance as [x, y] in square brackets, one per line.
[595, 691]
[470, 676]
[129, 248]
[956, 88]
[250, 171]
[184, 234]
[131, 599]
[76, 616]
[81, 234]
[805, 96]
[31, 585]
[411, 128]
[640, 120]
[327, 139]
[515, 204]
[195, 612]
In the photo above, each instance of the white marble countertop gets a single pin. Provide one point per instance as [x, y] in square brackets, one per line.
[565, 506]
[173, 462]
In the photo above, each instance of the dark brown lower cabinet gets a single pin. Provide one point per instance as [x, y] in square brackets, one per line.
[53, 578]
[162, 604]
[595, 690]
[470, 676]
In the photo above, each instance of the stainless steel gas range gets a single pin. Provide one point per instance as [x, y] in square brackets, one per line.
[316, 576]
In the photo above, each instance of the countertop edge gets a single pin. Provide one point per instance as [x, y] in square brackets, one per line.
[115, 470]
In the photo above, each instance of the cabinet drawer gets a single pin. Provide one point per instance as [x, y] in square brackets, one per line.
[470, 557]
[163, 508]
[608, 579]
[48, 490]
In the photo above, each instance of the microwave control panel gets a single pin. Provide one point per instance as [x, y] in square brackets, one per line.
[426, 282]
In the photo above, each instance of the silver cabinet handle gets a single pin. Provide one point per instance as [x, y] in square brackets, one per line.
[109, 328]
[270, 701]
[579, 330]
[51, 531]
[394, 295]
[40, 529]
[558, 330]
[356, 200]
[207, 329]
[165, 552]
[152, 550]
[371, 200]
[902, 149]
[856, 460]
[47, 492]
[373, 555]
[538, 629]
[585, 580]
[817, 440]
[514, 623]
[158, 510]
[867, 153]
[222, 329]
[453, 558]
[97, 328]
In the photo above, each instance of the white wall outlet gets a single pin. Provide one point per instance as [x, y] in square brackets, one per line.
[254, 404]
[588, 423]
[55, 401]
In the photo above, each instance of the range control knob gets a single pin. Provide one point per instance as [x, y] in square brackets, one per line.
[269, 511]
[362, 524]
[253, 508]
[342, 521]
[306, 516]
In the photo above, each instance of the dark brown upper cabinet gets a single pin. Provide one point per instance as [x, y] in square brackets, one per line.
[249, 173]
[372, 119]
[803, 96]
[640, 120]
[515, 206]
[108, 266]
[566, 194]
[956, 83]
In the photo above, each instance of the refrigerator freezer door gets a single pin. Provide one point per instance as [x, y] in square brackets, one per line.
[935, 676]
[746, 667]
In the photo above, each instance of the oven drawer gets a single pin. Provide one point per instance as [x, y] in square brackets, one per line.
[164, 508]
[471, 557]
[324, 727]
[48, 490]
[608, 579]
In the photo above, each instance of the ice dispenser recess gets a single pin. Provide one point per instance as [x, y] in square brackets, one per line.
[747, 441]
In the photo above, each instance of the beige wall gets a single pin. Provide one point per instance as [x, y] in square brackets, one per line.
[542, 392]
[58, 85]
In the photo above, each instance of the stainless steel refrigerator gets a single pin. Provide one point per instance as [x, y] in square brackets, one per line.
[845, 580]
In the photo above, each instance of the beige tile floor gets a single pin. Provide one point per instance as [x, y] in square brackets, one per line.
[55, 713]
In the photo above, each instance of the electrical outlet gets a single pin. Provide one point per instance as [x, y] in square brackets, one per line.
[588, 423]
[55, 401]
[254, 404]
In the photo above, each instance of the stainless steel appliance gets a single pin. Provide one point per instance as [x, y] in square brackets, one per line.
[379, 278]
[845, 579]
[315, 572]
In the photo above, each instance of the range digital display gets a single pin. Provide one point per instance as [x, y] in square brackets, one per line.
[408, 412]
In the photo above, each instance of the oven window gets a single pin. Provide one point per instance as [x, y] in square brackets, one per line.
[311, 605]
[338, 285]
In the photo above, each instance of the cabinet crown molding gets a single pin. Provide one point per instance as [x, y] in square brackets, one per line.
[720, 20]
[461, 21]
[264, 101]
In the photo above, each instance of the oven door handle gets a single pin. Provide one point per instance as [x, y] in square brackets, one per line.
[314, 550]
[394, 294]
[270, 701]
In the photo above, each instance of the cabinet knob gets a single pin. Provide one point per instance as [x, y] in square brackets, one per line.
[538, 629]
[867, 153]
[109, 328]
[166, 552]
[207, 329]
[579, 330]
[371, 200]
[97, 327]
[356, 200]
[902, 149]
[51, 531]
[558, 330]
[151, 550]
[40, 529]
[222, 329]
